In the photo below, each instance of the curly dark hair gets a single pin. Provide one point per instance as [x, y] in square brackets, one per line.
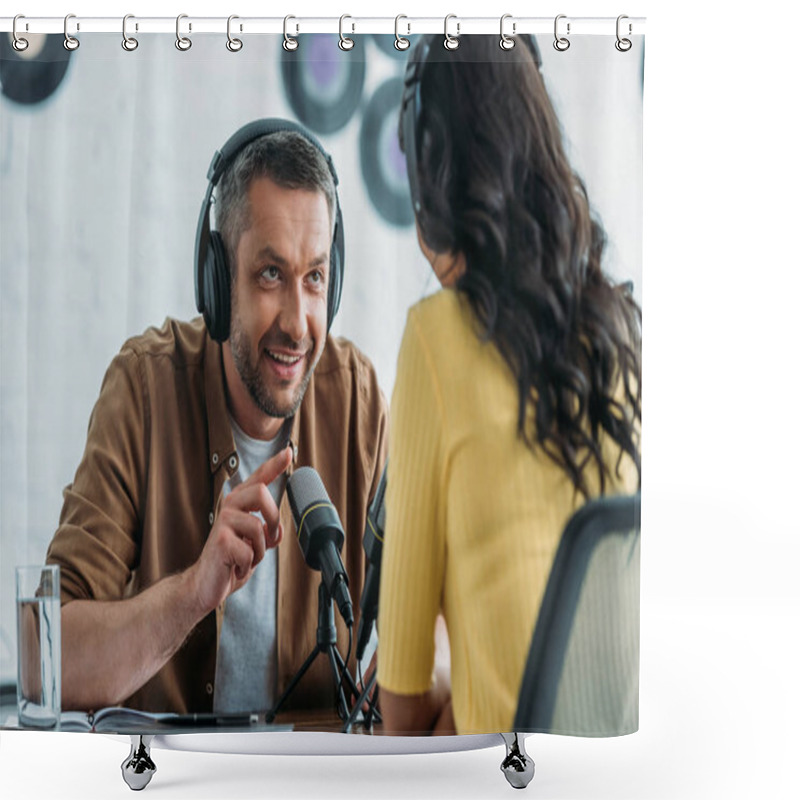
[497, 187]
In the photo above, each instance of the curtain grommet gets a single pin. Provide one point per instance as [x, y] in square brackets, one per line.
[70, 42]
[622, 44]
[183, 43]
[561, 43]
[345, 42]
[400, 42]
[451, 42]
[233, 44]
[507, 42]
[129, 43]
[18, 42]
[290, 44]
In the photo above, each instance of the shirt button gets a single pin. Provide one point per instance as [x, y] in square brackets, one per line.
[232, 462]
[209, 688]
[215, 459]
[211, 518]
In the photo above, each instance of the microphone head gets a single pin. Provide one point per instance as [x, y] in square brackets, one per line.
[315, 517]
[320, 534]
[305, 488]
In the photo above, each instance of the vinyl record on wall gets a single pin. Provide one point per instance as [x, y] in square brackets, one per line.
[323, 83]
[32, 75]
[383, 164]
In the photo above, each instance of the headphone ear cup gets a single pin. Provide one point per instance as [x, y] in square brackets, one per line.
[217, 289]
[334, 287]
[336, 267]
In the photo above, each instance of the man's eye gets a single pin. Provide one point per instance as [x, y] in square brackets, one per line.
[271, 273]
[316, 277]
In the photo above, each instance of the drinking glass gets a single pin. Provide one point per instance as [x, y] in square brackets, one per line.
[39, 646]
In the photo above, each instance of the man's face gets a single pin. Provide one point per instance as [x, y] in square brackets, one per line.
[279, 296]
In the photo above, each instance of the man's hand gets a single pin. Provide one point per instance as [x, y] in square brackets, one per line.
[110, 649]
[238, 539]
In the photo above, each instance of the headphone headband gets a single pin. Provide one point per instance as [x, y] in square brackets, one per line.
[226, 155]
[212, 272]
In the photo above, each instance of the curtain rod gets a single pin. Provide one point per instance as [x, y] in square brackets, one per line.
[347, 25]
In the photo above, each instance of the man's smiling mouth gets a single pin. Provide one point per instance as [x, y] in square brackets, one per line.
[283, 358]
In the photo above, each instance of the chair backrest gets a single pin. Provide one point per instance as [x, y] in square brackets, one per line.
[582, 674]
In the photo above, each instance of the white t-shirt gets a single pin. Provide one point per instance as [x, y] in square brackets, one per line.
[247, 655]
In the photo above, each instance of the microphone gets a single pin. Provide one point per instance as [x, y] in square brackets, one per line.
[373, 547]
[320, 534]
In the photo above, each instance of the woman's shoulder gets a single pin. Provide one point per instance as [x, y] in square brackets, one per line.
[441, 317]
[436, 302]
[444, 328]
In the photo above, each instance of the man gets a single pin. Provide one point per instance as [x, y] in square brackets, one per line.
[177, 596]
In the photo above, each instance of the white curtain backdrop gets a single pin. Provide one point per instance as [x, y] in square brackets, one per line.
[100, 188]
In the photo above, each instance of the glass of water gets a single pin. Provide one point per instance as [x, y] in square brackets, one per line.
[39, 646]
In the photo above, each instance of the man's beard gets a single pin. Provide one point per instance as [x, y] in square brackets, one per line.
[251, 376]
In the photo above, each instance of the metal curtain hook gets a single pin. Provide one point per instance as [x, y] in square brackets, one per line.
[234, 45]
[70, 42]
[182, 42]
[623, 45]
[451, 42]
[400, 42]
[128, 42]
[19, 44]
[289, 43]
[561, 43]
[507, 42]
[345, 42]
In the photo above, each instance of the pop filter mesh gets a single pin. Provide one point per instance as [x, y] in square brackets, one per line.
[305, 487]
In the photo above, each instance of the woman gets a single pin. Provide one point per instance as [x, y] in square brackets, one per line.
[517, 395]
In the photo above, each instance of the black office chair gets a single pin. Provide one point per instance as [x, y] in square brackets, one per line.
[582, 673]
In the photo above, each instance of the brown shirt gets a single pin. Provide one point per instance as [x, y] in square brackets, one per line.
[145, 494]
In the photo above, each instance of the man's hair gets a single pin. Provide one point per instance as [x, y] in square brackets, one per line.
[289, 160]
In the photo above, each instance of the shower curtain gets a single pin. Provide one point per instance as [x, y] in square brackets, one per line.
[104, 154]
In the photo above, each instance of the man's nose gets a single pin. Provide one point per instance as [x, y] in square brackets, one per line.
[293, 319]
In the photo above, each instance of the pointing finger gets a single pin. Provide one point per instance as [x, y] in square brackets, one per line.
[272, 467]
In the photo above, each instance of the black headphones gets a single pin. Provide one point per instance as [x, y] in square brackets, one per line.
[212, 277]
[411, 108]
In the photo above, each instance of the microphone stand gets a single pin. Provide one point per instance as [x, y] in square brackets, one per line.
[326, 645]
[373, 711]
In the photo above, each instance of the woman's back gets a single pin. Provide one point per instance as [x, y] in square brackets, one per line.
[478, 541]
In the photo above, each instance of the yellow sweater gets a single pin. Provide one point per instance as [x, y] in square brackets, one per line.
[474, 518]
